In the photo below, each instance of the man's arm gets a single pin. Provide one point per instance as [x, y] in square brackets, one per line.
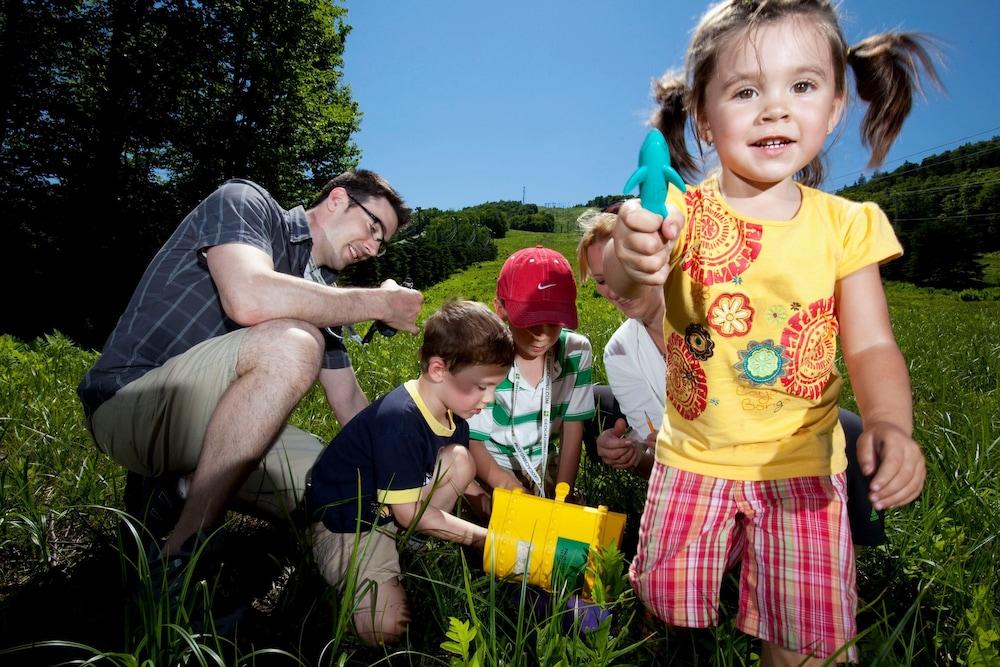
[343, 393]
[252, 292]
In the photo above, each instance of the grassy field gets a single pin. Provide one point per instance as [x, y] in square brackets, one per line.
[68, 587]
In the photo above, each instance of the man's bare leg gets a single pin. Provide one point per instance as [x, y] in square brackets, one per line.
[278, 363]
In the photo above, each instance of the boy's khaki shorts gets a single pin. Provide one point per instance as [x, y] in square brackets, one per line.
[377, 557]
[156, 424]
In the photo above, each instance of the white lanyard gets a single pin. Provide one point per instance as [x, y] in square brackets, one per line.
[522, 456]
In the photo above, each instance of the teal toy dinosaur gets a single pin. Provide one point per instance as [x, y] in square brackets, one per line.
[653, 173]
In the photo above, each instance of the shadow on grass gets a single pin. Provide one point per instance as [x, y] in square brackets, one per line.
[91, 600]
[83, 602]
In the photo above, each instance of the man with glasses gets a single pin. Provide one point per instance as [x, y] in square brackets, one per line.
[233, 321]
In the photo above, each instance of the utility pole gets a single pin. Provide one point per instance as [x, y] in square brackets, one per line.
[522, 194]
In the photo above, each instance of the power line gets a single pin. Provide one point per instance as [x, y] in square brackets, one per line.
[947, 217]
[919, 167]
[937, 189]
[920, 152]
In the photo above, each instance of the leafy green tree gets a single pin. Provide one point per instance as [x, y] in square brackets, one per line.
[117, 117]
[939, 256]
[944, 210]
[542, 221]
[447, 243]
[603, 201]
[491, 217]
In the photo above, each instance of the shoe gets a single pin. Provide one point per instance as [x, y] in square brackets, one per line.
[175, 586]
[156, 502]
[170, 572]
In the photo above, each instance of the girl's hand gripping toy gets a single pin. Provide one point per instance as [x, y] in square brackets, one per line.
[653, 173]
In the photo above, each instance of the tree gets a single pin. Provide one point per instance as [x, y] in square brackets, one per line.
[603, 201]
[940, 255]
[117, 117]
[542, 221]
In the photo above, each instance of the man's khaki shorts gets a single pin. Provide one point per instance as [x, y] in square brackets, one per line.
[156, 425]
[377, 558]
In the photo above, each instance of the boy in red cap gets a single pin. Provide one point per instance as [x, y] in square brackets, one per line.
[548, 394]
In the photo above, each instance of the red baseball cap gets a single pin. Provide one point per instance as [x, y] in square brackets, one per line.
[536, 286]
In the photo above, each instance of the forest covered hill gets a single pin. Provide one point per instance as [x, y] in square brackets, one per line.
[946, 212]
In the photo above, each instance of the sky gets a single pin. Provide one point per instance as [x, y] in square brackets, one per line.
[547, 100]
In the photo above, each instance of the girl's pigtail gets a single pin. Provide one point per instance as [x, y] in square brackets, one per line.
[670, 118]
[887, 73]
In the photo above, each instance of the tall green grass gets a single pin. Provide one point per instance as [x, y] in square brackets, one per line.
[929, 597]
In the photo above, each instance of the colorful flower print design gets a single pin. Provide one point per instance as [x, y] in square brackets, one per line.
[810, 339]
[776, 315]
[762, 363]
[731, 314]
[718, 247]
[699, 341]
[687, 386]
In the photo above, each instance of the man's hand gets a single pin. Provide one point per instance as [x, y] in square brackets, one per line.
[642, 242]
[402, 306]
[887, 449]
[617, 450]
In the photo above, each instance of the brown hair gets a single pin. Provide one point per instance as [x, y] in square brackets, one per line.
[887, 69]
[364, 186]
[596, 226]
[466, 333]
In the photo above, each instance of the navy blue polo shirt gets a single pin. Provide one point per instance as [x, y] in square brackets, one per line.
[384, 456]
[176, 305]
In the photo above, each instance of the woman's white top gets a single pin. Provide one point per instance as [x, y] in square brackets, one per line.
[637, 374]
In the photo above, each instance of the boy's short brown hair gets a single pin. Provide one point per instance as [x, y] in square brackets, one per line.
[466, 333]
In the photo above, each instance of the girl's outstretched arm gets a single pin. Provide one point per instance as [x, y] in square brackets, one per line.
[882, 387]
[639, 252]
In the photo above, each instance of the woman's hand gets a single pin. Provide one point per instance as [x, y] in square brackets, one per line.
[616, 449]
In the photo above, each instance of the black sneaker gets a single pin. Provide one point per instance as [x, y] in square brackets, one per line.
[179, 581]
[170, 573]
[154, 501]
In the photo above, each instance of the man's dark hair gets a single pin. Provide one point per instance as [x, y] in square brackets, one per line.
[364, 186]
[466, 333]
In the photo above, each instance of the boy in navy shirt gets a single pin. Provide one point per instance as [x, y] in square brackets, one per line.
[405, 457]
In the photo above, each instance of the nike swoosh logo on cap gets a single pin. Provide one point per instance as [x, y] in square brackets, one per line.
[541, 286]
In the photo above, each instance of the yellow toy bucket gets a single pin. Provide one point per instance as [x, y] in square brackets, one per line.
[546, 539]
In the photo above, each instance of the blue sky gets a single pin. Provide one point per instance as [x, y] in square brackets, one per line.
[466, 102]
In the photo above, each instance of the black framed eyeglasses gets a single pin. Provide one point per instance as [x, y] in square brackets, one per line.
[376, 228]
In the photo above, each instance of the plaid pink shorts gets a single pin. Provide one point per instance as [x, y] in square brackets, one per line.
[792, 537]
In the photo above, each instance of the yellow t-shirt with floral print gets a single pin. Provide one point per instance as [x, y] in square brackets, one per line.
[751, 332]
